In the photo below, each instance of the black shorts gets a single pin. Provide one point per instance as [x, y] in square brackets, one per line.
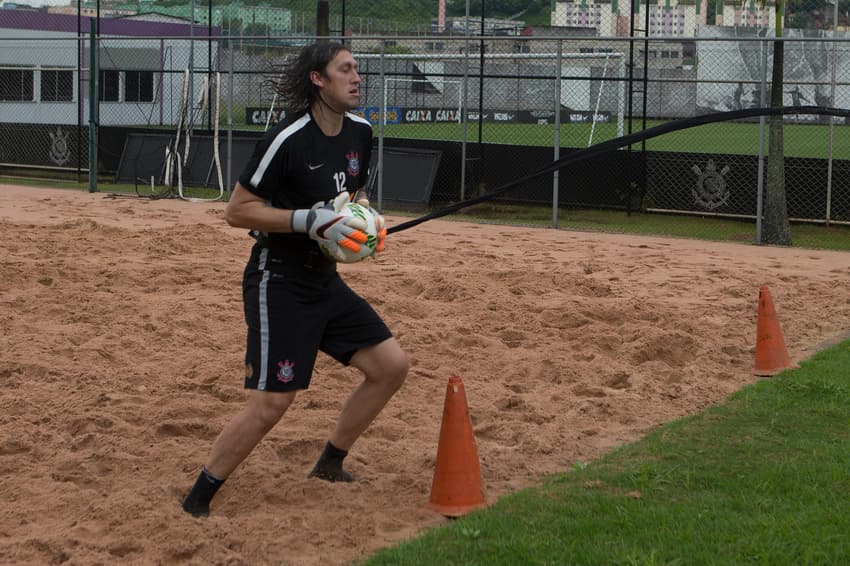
[292, 313]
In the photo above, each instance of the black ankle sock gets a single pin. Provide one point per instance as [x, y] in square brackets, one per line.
[329, 465]
[332, 453]
[198, 501]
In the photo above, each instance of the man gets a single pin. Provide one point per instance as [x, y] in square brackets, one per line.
[295, 302]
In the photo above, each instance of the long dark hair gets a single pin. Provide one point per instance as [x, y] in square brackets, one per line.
[295, 88]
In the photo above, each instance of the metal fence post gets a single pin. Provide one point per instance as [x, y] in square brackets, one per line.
[831, 118]
[762, 102]
[464, 115]
[92, 107]
[381, 123]
[555, 174]
[230, 121]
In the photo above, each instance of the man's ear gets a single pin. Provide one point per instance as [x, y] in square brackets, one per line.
[316, 78]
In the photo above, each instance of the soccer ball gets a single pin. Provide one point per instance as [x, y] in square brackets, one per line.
[364, 214]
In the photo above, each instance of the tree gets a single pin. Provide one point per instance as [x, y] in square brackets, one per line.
[322, 18]
[776, 229]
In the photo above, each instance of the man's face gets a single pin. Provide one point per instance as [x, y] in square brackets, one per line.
[340, 83]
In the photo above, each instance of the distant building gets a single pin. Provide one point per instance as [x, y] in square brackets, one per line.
[667, 18]
[492, 26]
[41, 81]
[234, 18]
[558, 31]
[90, 9]
[750, 14]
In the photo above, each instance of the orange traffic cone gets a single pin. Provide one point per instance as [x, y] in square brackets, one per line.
[771, 355]
[456, 489]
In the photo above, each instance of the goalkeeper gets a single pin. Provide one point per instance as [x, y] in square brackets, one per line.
[295, 302]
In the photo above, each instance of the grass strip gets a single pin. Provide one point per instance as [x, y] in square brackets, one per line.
[763, 478]
[722, 138]
[806, 235]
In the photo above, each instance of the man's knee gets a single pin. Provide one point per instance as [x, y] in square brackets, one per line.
[268, 407]
[393, 370]
[386, 364]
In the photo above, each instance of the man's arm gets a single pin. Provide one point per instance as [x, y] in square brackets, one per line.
[247, 210]
[322, 223]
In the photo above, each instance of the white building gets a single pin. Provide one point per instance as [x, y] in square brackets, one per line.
[140, 82]
[667, 18]
[749, 14]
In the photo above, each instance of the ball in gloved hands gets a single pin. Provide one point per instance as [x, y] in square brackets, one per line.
[349, 251]
[361, 198]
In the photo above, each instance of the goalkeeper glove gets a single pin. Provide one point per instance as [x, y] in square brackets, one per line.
[324, 224]
[380, 225]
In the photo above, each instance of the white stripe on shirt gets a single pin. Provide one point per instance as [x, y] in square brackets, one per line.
[357, 118]
[275, 146]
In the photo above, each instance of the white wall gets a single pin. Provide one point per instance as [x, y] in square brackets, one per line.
[39, 50]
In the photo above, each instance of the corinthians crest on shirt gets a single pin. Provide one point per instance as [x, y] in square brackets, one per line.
[353, 163]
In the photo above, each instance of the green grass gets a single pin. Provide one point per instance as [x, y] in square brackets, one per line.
[737, 138]
[801, 140]
[760, 479]
[834, 237]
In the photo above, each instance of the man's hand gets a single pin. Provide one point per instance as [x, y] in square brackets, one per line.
[380, 225]
[324, 224]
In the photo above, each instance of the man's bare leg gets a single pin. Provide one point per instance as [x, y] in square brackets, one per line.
[384, 367]
[263, 410]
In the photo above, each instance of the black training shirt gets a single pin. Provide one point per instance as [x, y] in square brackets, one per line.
[296, 165]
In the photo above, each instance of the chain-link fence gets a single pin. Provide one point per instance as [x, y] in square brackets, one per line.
[466, 113]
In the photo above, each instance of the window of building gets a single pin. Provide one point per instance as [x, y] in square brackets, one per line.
[16, 84]
[138, 86]
[109, 86]
[57, 85]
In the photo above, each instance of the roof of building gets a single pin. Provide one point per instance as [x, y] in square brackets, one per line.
[24, 20]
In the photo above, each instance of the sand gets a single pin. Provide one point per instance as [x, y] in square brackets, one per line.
[121, 348]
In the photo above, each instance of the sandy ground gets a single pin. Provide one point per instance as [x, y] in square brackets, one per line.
[121, 344]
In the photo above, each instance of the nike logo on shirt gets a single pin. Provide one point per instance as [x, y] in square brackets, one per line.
[314, 167]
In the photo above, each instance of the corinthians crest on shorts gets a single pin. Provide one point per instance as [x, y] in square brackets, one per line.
[286, 373]
[353, 163]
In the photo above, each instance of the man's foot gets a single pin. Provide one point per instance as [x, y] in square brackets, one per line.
[196, 508]
[329, 465]
[198, 501]
[331, 475]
